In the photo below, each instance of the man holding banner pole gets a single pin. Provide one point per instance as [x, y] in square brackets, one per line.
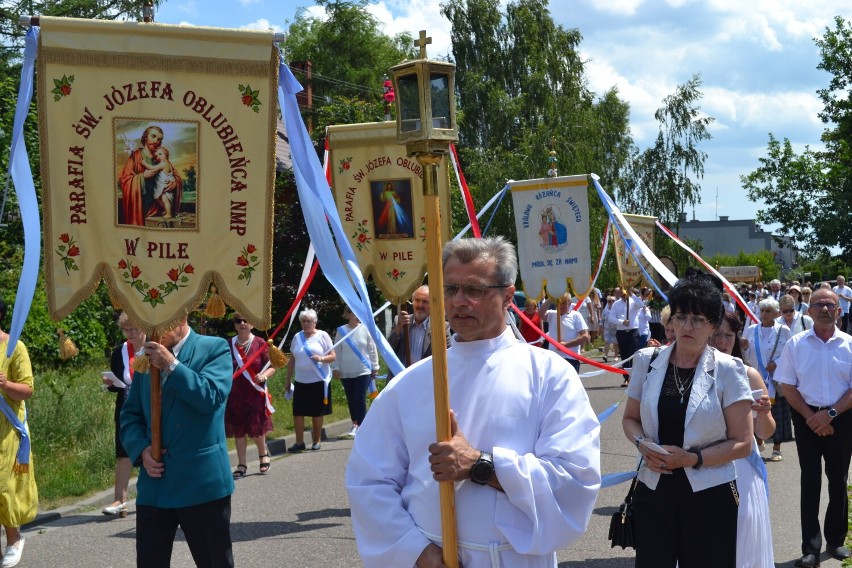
[524, 453]
[571, 331]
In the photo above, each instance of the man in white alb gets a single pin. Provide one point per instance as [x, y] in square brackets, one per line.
[574, 332]
[525, 450]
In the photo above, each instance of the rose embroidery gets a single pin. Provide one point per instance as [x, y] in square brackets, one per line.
[67, 251]
[250, 97]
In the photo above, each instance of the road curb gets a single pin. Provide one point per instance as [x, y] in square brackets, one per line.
[277, 449]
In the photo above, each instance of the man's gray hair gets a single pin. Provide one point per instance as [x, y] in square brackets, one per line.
[770, 303]
[308, 314]
[497, 248]
[774, 281]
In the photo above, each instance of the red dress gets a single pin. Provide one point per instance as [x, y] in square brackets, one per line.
[245, 414]
[529, 333]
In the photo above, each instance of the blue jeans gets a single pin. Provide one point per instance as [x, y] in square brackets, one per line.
[356, 396]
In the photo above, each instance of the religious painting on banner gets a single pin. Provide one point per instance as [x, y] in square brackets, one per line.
[158, 158]
[631, 273]
[379, 195]
[552, 222]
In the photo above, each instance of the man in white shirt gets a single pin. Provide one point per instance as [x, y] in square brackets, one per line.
[625, 315]
[816, 369]
[573, 332]
[524, 454]
[844, 295]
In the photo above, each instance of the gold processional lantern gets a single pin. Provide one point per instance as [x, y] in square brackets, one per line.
[426, 124]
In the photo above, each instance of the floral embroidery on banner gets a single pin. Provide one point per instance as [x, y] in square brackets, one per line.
[249, 261]
[155, 295]
[250, 97]
[362, 236]
[62, 87]
[67, 251]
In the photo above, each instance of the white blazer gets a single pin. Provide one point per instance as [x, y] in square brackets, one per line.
[720, 380]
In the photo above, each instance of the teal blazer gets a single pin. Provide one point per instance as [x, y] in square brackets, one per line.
[197, 468]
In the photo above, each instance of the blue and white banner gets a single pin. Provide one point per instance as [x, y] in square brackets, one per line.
[552, 221]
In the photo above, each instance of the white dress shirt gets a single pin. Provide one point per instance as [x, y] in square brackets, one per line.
[820, 370]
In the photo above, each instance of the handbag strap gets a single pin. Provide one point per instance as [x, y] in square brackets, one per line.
[629, 498]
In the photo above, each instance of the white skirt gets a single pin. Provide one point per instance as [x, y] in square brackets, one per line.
[754, 532]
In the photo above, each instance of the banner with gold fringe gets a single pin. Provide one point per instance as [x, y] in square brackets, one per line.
[552, 222]
[157, 163]
[379, 195]
[631, 273]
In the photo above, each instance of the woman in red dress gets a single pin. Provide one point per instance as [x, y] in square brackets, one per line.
[249, 414]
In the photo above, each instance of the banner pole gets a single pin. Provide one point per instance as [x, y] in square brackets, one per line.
[439, 347]
[156, 408]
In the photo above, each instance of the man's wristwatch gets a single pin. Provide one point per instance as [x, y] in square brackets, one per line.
[483, 470]
[832, 412]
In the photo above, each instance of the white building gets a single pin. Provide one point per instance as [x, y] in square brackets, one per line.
[730, 237]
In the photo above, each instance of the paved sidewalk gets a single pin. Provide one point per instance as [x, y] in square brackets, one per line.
[298, 514]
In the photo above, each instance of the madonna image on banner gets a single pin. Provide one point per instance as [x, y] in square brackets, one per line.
[392, 208]
[156, 165]
[553, 233]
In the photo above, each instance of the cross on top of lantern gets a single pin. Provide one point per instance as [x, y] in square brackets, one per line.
[425, 102]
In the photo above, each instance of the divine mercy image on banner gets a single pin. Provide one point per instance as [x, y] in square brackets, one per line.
[392, 208]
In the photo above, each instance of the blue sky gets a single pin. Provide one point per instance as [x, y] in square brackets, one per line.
[757, 60]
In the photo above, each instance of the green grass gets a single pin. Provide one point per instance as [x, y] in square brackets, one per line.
[71, 421]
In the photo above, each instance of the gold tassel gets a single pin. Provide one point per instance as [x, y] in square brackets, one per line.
[115, 304]
[67, 349]
[276, 357]
[141, 364]
[215, 305]
[21, 468]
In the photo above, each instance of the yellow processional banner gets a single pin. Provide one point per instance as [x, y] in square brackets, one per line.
[158, 156]
[630, 272]
[379, 195]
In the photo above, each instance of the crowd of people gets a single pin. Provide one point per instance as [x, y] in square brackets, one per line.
[707, 390]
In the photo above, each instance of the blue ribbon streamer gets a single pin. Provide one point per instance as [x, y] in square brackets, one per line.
[22, 176]
[605, 199]
[611, 479]
[321, 215]
[503, 193]
[607, 413]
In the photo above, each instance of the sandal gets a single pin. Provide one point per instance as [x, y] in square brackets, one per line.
[240, 471]
[264, 466]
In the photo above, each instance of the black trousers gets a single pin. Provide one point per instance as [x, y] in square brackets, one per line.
[207, 528]
[628, 344]
[674, 525]
[835, 451]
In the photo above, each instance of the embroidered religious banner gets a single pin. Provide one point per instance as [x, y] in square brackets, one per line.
[552, 222]
[157, 163]
[632, 274]
[378, 191]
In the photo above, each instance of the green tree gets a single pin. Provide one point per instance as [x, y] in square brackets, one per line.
[350, 56]
[661, 179]
[794, 189]
[521, 83]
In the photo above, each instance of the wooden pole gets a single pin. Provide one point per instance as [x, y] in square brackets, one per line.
[439, 348]
[156, 408]
[406, 341]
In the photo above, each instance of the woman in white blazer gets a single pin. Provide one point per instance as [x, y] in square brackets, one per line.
[695, 403]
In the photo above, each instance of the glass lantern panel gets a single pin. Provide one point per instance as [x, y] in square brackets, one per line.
[409, 103]
[440, 90]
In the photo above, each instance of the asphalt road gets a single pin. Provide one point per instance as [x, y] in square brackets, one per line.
[297, 515]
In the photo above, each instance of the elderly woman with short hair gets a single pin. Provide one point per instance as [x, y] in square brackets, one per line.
[762, 344]
[310, 369]
[790, 316]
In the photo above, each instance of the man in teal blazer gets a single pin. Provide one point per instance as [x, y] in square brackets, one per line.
[191, 487]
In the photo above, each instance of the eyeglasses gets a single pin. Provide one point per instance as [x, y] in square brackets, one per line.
[697, 321]
[239, 321]
[790, 311]
[820, 306]
[469, 291]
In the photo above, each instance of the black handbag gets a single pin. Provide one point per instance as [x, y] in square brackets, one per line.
[621, 528]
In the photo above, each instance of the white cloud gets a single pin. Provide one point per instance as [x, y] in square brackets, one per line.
[413, 16]
[262, 24]
[246, 3]
[621, 7]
